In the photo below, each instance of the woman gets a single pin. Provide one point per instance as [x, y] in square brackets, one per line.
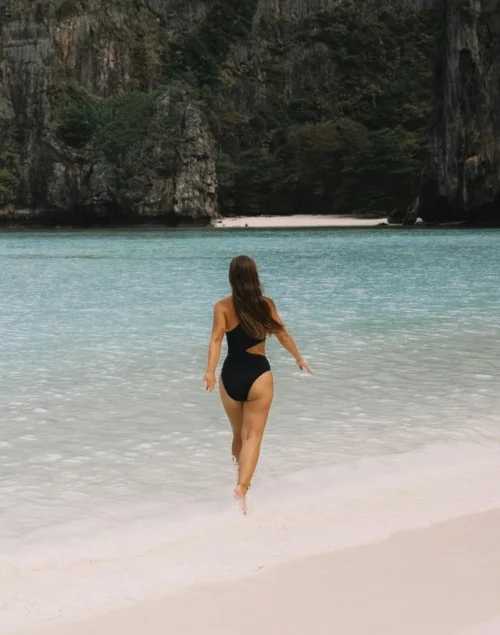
[246, 386]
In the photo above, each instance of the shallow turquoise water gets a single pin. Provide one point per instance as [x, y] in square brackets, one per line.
[103, 339]
[104, 342]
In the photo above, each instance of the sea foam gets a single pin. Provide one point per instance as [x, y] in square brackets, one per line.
[82, 567]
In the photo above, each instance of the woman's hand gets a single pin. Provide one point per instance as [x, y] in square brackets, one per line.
[303, 365]
[209, 380]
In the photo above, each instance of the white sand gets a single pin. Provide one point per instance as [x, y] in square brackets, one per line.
[444, 580]
[283, 222]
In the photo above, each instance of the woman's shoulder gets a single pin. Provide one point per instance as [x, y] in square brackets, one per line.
[225, 302]
[270, 301]
[225, 305]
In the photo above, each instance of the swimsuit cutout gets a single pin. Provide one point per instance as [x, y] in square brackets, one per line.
[241, 369]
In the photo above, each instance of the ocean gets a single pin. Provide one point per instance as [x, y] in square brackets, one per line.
[115, 469]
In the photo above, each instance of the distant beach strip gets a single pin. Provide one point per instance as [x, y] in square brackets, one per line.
[297, 221]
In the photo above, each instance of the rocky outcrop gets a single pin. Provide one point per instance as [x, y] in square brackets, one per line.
[411, 215]
[463, 181]
[189, 194]
[406, 217]
[195, 189]
[71, 45]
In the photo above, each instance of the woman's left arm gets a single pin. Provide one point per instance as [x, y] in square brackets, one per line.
[214, 348]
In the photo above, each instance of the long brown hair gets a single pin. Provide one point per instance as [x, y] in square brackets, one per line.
[252, 309]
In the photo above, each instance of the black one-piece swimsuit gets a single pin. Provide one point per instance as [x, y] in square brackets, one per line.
[241, 369]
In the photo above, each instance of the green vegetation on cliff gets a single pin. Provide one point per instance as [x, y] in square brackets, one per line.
[201, 55]
[326, 114]
[114, 124]
[125, 130]
[351, 136]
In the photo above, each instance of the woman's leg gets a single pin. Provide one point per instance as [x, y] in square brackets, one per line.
[234, 412]
[255, 414]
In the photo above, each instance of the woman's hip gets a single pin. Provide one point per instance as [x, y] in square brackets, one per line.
[240, 374]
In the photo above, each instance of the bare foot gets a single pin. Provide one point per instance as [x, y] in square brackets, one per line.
[240, 494]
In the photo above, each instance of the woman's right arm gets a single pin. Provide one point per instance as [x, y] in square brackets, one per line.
[287, 341]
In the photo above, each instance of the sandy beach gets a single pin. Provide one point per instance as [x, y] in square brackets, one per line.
[444, 580]
[300, 220]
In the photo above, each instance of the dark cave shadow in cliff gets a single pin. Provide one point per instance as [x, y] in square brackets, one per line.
[485, 216]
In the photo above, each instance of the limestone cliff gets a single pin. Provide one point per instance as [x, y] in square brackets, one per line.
[179, 110]
[53, 55]
[463, 182]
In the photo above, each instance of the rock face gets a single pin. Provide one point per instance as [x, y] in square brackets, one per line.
[108, 111]
[195, 194]
[53, 48]
[463, 182]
